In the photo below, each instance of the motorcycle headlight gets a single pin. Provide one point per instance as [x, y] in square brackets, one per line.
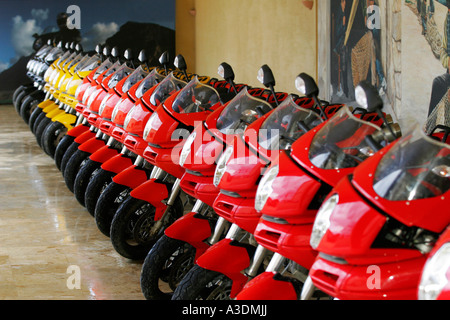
[153, 122]
[434, 275]
[103, 105]
[187, 148]
[222, 165]
[322, 222]
[265, 187]
[127, 120]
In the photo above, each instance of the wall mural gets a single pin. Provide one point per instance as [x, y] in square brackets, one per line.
[400, 46]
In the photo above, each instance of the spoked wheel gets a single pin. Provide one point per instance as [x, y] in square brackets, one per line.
[52, 136]
[132, 228]
[107, 204]
[165, 266]
[203, 284]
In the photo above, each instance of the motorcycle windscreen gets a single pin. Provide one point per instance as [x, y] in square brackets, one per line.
[240, 112]
[286, 124]
[341, 143]
[118, 75]
[195, 97]
[151, 80]
[417, 167]
[167, 87]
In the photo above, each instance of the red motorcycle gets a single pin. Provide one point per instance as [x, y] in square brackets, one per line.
[123, 94]
[237, 171]
[126, 175]
[391, 196]
[81, 95]
[105, 92]
[153, 205]
[310, 168]
[187, 238]
[435, 278]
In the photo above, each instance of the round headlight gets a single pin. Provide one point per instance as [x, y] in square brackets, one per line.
[222, 165]
[434, 275]
[265, 187]
[187, 148]
[322, 222]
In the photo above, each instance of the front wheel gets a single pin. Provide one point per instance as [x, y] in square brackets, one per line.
[165, 266]
[74, 165]
[52, 136]
[82, 179]
[107, 204]
[132, 233]
[97, 185]
[203, 284]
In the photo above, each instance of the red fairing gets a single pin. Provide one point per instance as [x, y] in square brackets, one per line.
[166, 159]
[122, 112]
[229, 259]
[388, 281]
[139, 118]
[85, 136]
[193, 229]
[82, 89]
[110, 103]
[103, 154]
[78, 130]
[243, 170]
[268, 286]
[152, 191]
[117, 163]
[411, 213]
[293, 191]
[92, 145]
[131, 177]
[135, 144]
[119, 134]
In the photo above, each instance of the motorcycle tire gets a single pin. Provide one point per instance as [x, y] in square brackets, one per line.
[203, 284]
[107, 204]
[41, 128]
[39, 119]
[33, 117]
[52, 136]
[28, 105]
[131, 225]
[74, 165]
[19, 98]
[165, 266]
[61, 149]
[67, 155]
[16, 94]
[89, 169]
[95, 188]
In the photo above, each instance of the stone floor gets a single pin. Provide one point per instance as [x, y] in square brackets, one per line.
[50, 247]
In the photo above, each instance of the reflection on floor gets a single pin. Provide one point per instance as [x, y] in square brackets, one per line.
[49, 243]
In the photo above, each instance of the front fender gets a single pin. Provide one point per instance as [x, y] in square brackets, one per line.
[104, 154]
[117, 163]
[154, 192]
[46, 103]
[192, 228]
[228, 257]
[268, 286]
[85, 136]
[68, 120]
[131, 177]
[78, 130]
[92, 145]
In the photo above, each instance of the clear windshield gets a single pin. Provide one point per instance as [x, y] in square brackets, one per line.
[134, 78]
[102, 68]
[241, 112]
[167, 87]
[149, 82]
[195, 97]
[77, 59]
[90, 64]
[118, 75]
[341, 142]
[54, 54]
[286, 124]
[417, 167]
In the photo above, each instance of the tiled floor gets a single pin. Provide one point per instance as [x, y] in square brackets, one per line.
[49, 243]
